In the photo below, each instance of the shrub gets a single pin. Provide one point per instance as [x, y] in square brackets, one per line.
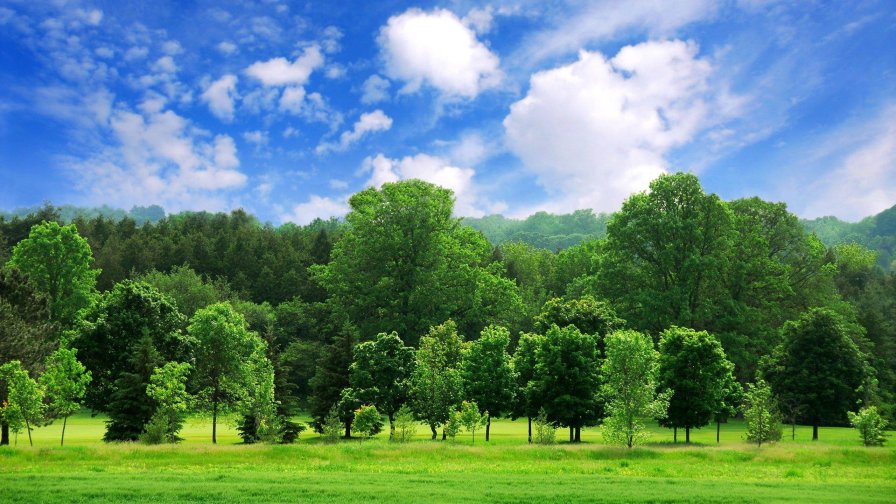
[761, 413]
[332, 427]
[545, 433]
[368, 421]
[405, 425]
[870, 425]
[156, 430]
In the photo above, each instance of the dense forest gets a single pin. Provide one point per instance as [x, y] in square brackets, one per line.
[407, 308]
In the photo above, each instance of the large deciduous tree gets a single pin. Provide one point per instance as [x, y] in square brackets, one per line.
[58, 262]
[380, 374]
[487, 371]
[437, 385]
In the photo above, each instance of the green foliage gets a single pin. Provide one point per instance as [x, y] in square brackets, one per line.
[168, 390]
[470, 418]
[367, 422]
[58, 262]
[128, 406]
[693, 366]
[26, 334]
[188, 289]
[870, 424]
[405, 425]
[437, 385]
[488, 375]
[545, 432]
[258, 404]
[332, 375]
[65, 382]
[381, 373]
[587, 314]
[527, 403]
[331, 427]
[542, 230]
[761, 414]
[629, 387]
[25, 397]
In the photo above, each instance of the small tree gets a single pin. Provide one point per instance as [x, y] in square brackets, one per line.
[870, 425]
[489, 379]
[761, 413]
[25, 397]
[368, 421]
[470, 417]
[65, 382]
[331, 427]
[167, 388]
[381, 373]
[437, 385]
[545, 430]
[405, 425]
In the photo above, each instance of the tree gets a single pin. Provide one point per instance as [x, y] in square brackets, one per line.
[331, 427]
[258, 405]
[332, 376]
[381, 374]
[817, 366]
[224, 347]
[567, 377]
[527, 403]
[57, 260]
[405, 425]
[188, 289]
[168, 390]
[694, 367]
[732, 396]
[488, 376]
[65, 382]
[629, 387]
[545, 430]
[128, 407]
[25, 401]
[367, 422]
[870, 424]
[437, 386]
[470, 418]
[674, 243]
[587, 314]
[26, 332]
[761, 414]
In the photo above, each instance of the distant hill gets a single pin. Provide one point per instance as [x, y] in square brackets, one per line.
[68, 213]
[543, 230]
[877, 233]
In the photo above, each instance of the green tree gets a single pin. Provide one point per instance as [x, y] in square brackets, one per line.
[567, 377]
[367, 422]
[332, 376]
[405, 425]
[224, 348]
[761, 414]
[527, 403]
[331, 427]
[629, 387]
[674, 243]
[694, 367]
[818, 366]
[188, 289]
[732, 396]
[168, 390]
[58, 261]
[470, 418]
[488, 376]
[381, 374]
[587, 314]
[437, 385]
[128, 407]
[65, 382]
[259, 405]
[25, 401]
[545, 430]
[870, 424]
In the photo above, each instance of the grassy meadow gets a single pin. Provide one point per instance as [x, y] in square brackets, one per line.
[835, 469]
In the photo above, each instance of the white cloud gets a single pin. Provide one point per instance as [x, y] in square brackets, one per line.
[259, 138]
[316, 207]
[369, 122]
[480, 19]
[375, 89]
[220, 96]
[596, 130]
[280, 72]
[438, 49]
[226, 48]
[165, 64]
[291, 100]
[433, 169]
[135, 53]
[172, 47]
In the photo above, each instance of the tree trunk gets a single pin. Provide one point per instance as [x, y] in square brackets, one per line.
[64, 421]
[215, 421]
[687, 435]
[4, 434]
[530, 431]
[578, 434]
[434, 433]
[348, 430]
[815, 431]
[571, 434]
[718, 430]
[28, 426]
[675, 435]
[793, 431]
[391, 426]
[488, 427]
[444, 435]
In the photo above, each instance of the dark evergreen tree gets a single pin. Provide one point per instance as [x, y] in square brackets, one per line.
[332, 376]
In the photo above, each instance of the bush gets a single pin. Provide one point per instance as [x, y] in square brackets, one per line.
[452, 426]
[156, 430]
[870, 425]
[545, 433]
[405, 425]
[332, 427]
[761, 413]
[368, 421]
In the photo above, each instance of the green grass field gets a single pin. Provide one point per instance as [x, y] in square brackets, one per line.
[835, 469]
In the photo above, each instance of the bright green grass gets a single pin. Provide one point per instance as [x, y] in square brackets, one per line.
[835, 469]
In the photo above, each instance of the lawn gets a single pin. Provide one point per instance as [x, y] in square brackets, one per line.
[835, 469]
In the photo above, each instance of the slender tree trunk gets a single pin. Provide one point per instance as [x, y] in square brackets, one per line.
[675, 435]
[793, 430]
[28, 426]
[530, 430]
[391, 426]
[687, 435]
[815, 430]
[718, 430]
[4, 434]
[571, 434]
[488, 427]
[434, 433]
[214, 421]
[64, 421]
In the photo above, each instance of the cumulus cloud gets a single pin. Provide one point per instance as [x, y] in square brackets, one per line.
[598, 129]
[282, 72]
[165, 64]
[317, 207]
[438, 49]
[369, 122]
[374, 90]
[226, 48]
[220, 96]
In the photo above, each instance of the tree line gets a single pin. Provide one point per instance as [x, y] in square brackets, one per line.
[690, 310]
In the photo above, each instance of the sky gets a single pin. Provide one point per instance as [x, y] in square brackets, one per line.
[287, 108]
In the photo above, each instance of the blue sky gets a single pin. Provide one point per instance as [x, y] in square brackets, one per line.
[287, 108]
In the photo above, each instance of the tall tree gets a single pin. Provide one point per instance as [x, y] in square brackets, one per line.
[567, 378]
[224, 347]
[487, 371]
[674, 242]
[58, 262]
[332, 377]
[818, 366]
[694, 367]
[437, 385]
[65, 382]
[381, 373]
[629, 387]
[128, 407]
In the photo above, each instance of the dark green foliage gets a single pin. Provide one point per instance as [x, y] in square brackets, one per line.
[528, 403]
[489, 378]
[587, 314]
[248, 430]
[331, 376]
[128, 407]
[381, 373]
